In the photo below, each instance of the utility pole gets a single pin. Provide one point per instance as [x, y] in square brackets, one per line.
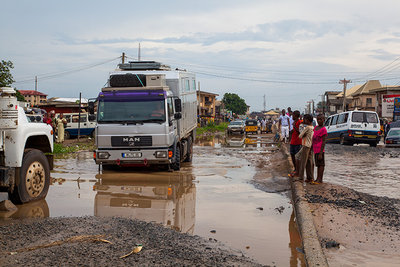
[123, 57]
[35, 83]
[313, 108]
[344, 82]
[199, 100]
[264, 104]
[79, 115]
[323, 104]
[139, 53]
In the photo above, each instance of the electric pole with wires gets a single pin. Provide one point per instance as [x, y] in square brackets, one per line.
[344, 82]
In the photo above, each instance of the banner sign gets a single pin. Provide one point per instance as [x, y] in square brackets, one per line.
[388, 105]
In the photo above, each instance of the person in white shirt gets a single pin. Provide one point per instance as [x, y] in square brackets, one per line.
[284, 124]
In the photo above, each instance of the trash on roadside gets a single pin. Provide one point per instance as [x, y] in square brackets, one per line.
[213, 231]
[136, 249]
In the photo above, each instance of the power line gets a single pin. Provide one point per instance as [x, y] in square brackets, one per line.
[52, 75]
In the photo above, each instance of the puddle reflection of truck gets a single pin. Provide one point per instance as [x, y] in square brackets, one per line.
[24, 167]
[146, 116]
[169, 203]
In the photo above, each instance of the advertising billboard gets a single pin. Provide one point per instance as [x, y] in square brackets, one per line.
[388, 105]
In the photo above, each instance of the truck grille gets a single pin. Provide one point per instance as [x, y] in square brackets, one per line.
[131, 141]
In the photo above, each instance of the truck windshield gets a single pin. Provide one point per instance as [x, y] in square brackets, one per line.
[131, 112]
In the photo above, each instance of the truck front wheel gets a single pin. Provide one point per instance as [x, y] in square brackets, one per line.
[176, 166]
[32, 179]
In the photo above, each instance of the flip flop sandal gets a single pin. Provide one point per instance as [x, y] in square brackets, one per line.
[315, 183]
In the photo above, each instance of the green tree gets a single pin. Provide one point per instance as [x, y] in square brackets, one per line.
[6, 78]
[20, 97]
[234, 103]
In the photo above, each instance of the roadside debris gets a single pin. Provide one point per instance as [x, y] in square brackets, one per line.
[80, 238]
[136, 249]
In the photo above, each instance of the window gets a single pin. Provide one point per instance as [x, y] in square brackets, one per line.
[371, 118]
[334, 119]
[327, 122]
[170, 107]
[369, 102]
[187, 85]
[343, 118]
[357, 117]
[194, 85]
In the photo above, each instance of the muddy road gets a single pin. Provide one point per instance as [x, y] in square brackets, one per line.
[357, 210]
[235, 192]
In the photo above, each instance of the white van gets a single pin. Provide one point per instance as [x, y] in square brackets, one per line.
[87, 125]
[353, 127]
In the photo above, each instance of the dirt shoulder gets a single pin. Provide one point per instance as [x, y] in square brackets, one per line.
[367, 227]
[79, 244]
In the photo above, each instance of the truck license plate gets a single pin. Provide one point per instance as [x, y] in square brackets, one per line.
[358, 132]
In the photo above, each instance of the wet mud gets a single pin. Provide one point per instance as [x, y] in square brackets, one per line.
[231, 195]
[161, 246]
[357, 209]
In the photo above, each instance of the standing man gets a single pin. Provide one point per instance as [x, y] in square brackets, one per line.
[290, 114]
[284, 124]
[60, 128]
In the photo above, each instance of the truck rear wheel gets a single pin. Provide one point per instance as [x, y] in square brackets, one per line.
[189, 155]
[32, 179]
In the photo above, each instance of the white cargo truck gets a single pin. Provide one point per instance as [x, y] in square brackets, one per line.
[25, 147]
[147, 115]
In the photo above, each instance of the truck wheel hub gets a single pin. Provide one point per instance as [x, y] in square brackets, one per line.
[35, 179]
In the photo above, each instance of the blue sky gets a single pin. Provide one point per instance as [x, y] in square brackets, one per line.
[291, 51]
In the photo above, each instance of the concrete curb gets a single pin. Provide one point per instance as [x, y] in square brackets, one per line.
[312, 247]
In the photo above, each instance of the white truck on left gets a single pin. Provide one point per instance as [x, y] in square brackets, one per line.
[25, 152]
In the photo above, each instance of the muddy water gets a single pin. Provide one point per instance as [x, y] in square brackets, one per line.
[364, 169]
[212, 197]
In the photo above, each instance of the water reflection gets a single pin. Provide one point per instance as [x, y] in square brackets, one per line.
[36, 209]
[162, 197]
[296, 257]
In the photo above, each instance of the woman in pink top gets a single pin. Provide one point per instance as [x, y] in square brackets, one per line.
[318, 141]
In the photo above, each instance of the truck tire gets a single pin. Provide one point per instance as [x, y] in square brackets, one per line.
[176, 166]
[373, 144]
[32, 179]
[189, 155]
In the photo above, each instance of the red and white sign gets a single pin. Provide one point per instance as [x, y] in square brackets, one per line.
[388, 105]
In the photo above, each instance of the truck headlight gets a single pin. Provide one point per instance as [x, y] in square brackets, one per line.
[161, 154]
[103, 155]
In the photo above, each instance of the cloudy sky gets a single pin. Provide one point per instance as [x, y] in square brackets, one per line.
[291, 51]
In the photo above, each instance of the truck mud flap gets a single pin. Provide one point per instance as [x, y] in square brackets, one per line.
[50, 159]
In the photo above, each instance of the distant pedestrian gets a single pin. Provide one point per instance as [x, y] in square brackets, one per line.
[386, 129]
[290, 114]
[61, 123]
[305, 156]
[47, 119]
[295, 141]
[319, 141]
[284, 124]
[263, 125]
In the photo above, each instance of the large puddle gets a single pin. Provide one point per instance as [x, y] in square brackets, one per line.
[365, 169]
[212, 197]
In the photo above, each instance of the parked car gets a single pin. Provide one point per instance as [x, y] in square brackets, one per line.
[236, 127]
[393, 138]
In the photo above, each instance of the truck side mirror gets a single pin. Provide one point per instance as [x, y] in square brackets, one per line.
[91, 107]
[178, 116]
[178, 105]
